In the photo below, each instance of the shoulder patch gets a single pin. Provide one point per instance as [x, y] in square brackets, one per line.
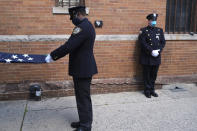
[76, 30]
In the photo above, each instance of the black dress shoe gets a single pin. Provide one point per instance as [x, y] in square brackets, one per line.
[147, 94]
[83, 129]
[154, 94]
[75, 124]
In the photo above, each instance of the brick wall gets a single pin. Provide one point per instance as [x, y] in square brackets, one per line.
[179, 58]
[19, 17]
[115, 59]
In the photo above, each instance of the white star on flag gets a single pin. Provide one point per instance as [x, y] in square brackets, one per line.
[14, 56]
[20, 60]
[30, 58]
[8, 60]
[26, 55]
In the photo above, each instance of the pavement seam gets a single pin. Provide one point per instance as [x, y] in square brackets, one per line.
[24, 114]
[53, 109]
[102, 105]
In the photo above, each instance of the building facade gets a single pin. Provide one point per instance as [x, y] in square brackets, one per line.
[40, 26]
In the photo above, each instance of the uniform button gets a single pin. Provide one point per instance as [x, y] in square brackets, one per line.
[148, 34]
[151, 44]
[150, 39]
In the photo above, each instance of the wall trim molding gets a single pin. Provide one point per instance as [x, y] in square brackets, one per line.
[64, 10]
[160, 80]
[117, 81]
[127, 37]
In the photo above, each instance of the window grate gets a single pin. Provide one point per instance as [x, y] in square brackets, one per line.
[70, 3]
[181, 16]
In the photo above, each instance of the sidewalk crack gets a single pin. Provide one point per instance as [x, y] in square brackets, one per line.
[24, 114]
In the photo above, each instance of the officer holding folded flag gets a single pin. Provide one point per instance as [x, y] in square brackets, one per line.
[82, 65]
[152, 42]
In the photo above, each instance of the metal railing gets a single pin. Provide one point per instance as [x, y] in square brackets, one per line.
[181, 16]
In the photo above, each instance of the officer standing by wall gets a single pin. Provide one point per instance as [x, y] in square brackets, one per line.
[82, 65]
[152, 42]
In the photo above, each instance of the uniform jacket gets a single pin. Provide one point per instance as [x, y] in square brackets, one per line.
[151, 38]
[80, 49]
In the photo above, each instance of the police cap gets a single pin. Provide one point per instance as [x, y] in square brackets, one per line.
[152, 16]
[74, 10]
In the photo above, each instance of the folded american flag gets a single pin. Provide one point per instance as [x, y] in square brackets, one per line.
[21, 58]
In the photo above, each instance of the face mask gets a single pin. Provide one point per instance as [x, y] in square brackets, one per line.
[153, 23]
[76, 21]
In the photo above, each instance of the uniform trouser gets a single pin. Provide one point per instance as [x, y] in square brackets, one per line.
[83, 100]
[149, 76]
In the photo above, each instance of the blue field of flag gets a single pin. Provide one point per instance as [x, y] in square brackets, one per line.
[21, 58]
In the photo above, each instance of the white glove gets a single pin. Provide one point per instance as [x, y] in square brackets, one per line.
[49, 59]
[155, 53]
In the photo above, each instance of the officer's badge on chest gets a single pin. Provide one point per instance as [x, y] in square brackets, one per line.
[76, 30]
[157, 36]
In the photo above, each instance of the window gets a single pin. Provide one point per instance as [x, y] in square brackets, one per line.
[61, 6]
[69, 3]
[181, 16]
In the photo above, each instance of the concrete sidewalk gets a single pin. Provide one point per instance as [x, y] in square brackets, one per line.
[173, 110]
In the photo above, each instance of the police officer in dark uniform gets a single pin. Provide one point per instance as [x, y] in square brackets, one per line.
[152, 42]
[82, 65]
